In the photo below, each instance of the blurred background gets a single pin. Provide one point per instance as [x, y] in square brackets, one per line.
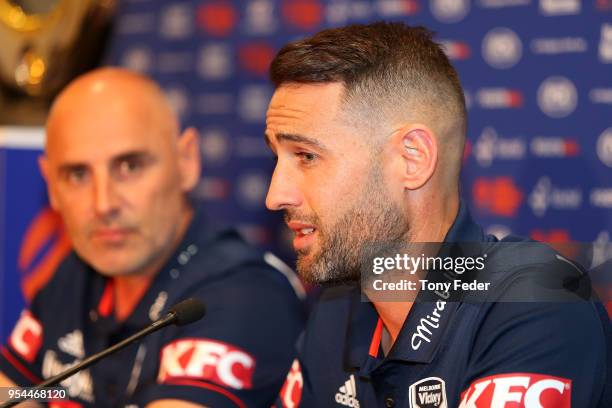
[537, 76]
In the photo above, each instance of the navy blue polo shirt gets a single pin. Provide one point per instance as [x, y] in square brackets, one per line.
[236, 356]
[458, 353]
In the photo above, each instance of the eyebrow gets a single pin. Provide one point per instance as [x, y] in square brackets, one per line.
[290, 137]
[133, 155]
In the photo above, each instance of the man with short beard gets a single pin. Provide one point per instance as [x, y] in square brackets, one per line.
[368, 125]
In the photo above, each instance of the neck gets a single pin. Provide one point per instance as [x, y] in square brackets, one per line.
[429, 225]
[129, 289]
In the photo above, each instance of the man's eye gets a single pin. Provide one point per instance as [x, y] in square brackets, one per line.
[76, 176]
[129, 167]
[306, 157]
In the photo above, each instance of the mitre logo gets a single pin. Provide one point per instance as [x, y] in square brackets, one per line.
[428, 393]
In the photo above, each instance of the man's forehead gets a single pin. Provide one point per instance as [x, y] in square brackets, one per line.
[303, 105]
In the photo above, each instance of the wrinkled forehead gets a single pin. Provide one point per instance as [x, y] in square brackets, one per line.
[303, 108]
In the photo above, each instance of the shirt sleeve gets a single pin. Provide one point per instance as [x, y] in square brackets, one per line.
[540, 354]
[21, 356]
[240, 352]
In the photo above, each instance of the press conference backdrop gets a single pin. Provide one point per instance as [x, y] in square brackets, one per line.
[538, 82]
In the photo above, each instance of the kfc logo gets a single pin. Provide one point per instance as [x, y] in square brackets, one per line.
[26, 337]
[528, 390]
[208, 360]
[291, 393]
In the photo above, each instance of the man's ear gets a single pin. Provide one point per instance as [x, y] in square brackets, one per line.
[44, 167]
[189, 158]
[417, 147]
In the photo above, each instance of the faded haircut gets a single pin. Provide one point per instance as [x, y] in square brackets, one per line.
[390, 71]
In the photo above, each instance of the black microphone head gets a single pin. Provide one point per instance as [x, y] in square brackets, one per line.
[188, 311]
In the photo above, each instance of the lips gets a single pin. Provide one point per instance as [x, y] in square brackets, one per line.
[304, 234]
[111, 235]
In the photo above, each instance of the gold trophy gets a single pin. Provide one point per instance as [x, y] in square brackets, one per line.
[44, 44]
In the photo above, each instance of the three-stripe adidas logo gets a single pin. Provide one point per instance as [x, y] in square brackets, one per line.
[347, 394]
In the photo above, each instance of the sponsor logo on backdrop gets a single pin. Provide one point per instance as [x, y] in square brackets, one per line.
[341, 11]
[499, 98]
[215, 61]
[603, 5]
[251, 146]
[545, 196]
[220, 103]
[256, 57]
[176, 21]
[559, 7]
[178, 98]
[503, 3]
[601, 197]
[215, 146]
[212, 188]
[135, 23]
[209, 360]
[138, 59]
[497, 195]
[601, 95]
[491, 146]
[26, 337]
[456, 50]
[397, 8]
[259, 17]
[499, 231]
[532, 390]
[291, 393]
[501, 48]
[551, 236]
[252, 189]
[604, 147]
[562, 45]
[217, 18]
[253, 102]
[541, 146]
[428, 393]
[602, 249]
[172, 62]
[302, 14]
[557, 97]
[347, 393]
[449, 11]
[605, 43]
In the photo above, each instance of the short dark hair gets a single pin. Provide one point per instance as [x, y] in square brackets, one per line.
[379, 62]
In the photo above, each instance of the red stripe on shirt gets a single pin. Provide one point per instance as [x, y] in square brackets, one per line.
[18, 366]
[213, 387]
[376, 337]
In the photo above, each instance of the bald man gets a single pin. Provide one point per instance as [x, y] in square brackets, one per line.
[368, 124]
[118, 170]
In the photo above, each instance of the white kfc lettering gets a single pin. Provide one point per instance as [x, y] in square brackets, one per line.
[533, 390]
[291, 393]
[208, 360]
[26, 337]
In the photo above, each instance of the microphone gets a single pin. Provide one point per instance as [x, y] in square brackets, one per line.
[181, 314]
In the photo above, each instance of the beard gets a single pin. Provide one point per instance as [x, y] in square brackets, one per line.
[373, 225]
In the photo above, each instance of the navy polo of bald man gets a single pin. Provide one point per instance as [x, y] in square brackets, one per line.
[368, 125]
[118, 171]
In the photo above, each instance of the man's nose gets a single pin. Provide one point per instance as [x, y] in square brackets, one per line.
[283, 191]
[105, 198]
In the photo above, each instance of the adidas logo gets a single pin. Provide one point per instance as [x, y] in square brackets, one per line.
[347, 394]
[72, 343]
